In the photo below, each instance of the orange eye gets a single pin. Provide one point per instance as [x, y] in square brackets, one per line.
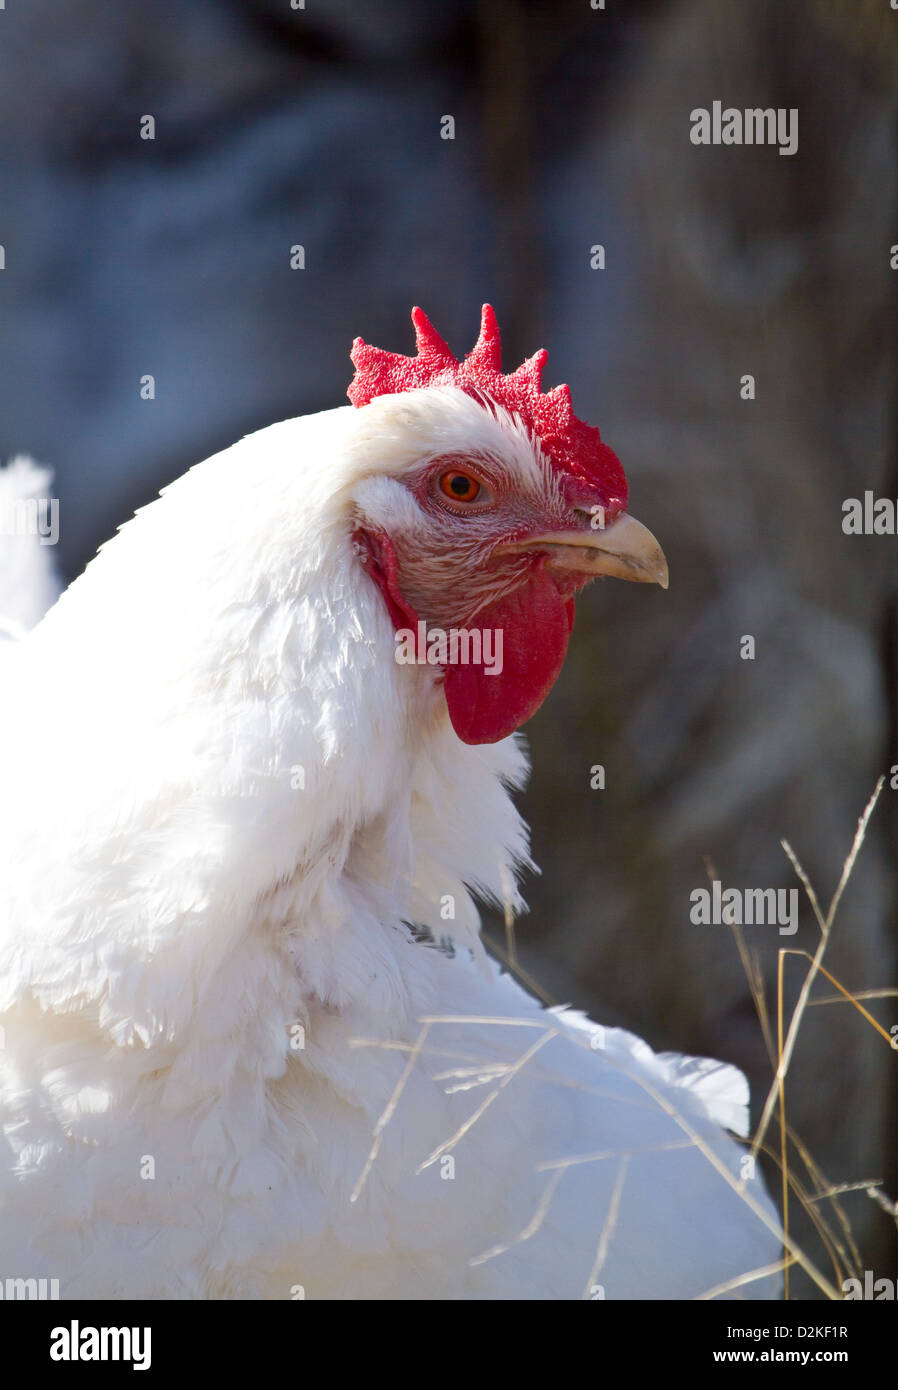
[461, 487]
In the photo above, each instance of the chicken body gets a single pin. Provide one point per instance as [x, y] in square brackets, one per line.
[223, 801]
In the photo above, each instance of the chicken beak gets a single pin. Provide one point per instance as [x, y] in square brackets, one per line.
[625, 549]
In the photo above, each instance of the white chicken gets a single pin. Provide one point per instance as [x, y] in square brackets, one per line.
[233, 829]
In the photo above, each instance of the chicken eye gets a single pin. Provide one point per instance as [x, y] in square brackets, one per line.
[461, 487]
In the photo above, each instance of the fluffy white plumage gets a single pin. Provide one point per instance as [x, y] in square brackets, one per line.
[222, 801]
[28, 583]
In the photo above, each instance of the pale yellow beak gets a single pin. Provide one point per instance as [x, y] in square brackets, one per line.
[624, 549]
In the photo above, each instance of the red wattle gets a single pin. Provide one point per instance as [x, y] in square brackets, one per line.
[535, 622]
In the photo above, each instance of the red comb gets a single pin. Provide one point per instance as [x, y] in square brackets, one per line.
[572, 446]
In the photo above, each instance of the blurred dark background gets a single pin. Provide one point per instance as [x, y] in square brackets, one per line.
[321, 127]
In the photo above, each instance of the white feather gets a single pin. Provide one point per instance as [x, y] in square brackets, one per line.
[28, 583]
[210, 850]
